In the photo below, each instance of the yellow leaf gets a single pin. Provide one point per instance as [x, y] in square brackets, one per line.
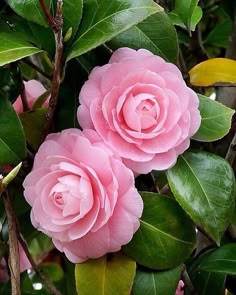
[215, 71]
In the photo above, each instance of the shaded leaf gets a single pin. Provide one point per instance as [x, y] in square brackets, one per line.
[30, 10]
[12, 139]
[33, 123]
[166, 236]
[222, 260]
[215, 71]
[215, 120]
[203, 184]
[219, 35]
[103, 20]
[13, 48]
[150, 282]
[110, 274]
[156, 33]
[11, 83]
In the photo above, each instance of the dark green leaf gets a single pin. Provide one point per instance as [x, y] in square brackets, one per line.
[13, 48]
[72, 13]
[219, 36]
[11, 83]
[156, 33]
[216, 120]
[33, 123]
[203, 184]
[12, 140]
[103, 20]
[156, 282]
[110, 274]
[166, 236]
[222, 260]
[30, 10]
[206, 282]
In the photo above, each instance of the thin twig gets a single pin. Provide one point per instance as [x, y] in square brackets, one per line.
[14, 261]
[231, 153]
[165, 189]
[24, 99]
[56, 79]
[47, 13]
[187, 282]
[36, 68]
[46, 282]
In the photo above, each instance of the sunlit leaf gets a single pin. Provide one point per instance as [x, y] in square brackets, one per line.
[215, 71]
[203, 184]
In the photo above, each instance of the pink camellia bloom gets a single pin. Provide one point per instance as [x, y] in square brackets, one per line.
[82, 195]
[180, 290]
[33, 89]
[140, 104]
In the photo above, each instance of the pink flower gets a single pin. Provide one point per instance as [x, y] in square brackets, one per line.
[180, 290]
[33, 89]
[82, 195]
[141, 105]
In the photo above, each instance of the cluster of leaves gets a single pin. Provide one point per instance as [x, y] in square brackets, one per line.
[184, 225]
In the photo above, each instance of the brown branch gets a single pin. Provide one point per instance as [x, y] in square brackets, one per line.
[24, 100]
[36, 68]
[231, 153]
[47, 13]
[46, 282]
[13, 261]
[187, 281]
[56, 79]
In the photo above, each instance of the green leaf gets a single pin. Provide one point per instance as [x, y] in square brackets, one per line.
[219, 35]
[156, 282]
[166, 236]
[103, 20]
[203, 184]
[12, 139]
[30, 10]
[110, 274]
[195, 18]
[72, 13]
[156, 33]
[185, 10]
[13, 48]
[33, 123]
[222, 260]
[11, 83]
[53, 271]
[216, 120]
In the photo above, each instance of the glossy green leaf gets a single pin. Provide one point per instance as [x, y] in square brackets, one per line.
[206, 282]
[156, 33]
[30, 10]
[195, 18]
[156, 282]
[103, 20]
[110, 274]
[166, 236]
[216, 120]
[222, 260]
[41, 37]
[33, 123]
[185, 10]
[72, 13]
[12, 139]
[13, 48]
[203, 184]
